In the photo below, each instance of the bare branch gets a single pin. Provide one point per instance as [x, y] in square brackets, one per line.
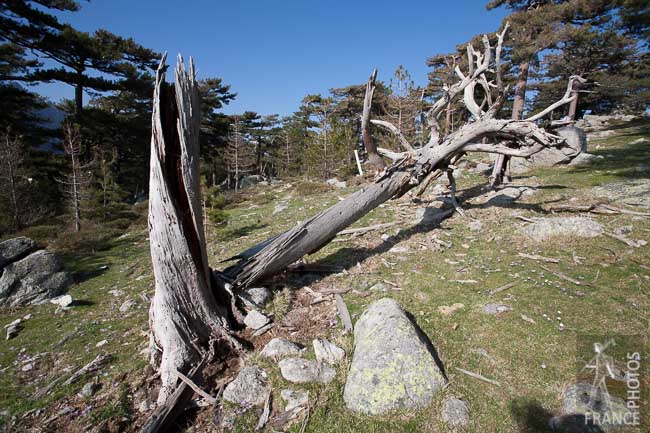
[392, 128]
[567, 98]
[395, 156]
[522, 152]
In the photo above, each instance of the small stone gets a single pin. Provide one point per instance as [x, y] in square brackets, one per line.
[62, 301]
[385, 237]
[116, 292]
[13, 328]
[294, 399]
[527, 319]
[379, 287]
[623, 230]
[27, 367]
[126, 306]
[101, 343]
[495, 308]
[448, 310]
[145, 406]
[398, 250]
[327, 352]
[88, 390]
[300, 370]
[256, 297]
[455, 412]
[476, 226]
[280, 347]
[255, 320]
[280, 207]
[336, 183]
[248, 388]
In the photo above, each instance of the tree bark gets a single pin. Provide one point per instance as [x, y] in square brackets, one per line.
[185, 314]
[366, 137]
[501, 165]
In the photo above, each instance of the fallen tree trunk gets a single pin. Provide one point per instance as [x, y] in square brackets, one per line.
[410, 168]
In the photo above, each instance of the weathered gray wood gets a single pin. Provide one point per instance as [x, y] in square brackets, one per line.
[366, 137]
[184, 315]
[344, 314]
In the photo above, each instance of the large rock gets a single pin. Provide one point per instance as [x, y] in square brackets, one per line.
[562, 227]
[248, 388]
[15, 249]
[32, 280]
[634, 192]
[576, 143]
[393, 366]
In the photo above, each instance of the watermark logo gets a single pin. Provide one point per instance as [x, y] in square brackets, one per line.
[611, 386]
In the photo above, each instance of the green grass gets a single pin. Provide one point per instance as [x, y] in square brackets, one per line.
[615, 301]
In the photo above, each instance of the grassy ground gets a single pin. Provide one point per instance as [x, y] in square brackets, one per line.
[533, 362]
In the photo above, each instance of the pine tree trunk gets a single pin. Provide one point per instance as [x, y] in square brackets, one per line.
[185, 315]
[501, 164]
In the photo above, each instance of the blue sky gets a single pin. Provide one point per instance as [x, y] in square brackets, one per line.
[274, 52]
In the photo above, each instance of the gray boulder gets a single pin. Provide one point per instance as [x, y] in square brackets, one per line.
[32, 280]
[576, 143]
[560, 227]
[248, 388]
[633, 192]
[298, 370]
[393, 365]
[15, 249]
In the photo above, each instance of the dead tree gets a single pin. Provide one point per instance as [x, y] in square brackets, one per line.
[412, 167]
[11, 157]
[191, 304]
[187, 311]
[75, 184]
[366, 136]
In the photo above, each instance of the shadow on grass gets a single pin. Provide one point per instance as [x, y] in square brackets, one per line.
[531, 417]
[347, 257]
[629, 161]
[229, 234]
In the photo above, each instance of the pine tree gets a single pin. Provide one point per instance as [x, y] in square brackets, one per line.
[404, 103]
[79, 176]
[239, 155]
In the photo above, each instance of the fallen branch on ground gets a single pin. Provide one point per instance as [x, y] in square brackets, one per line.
[539, 258]
[478, 376]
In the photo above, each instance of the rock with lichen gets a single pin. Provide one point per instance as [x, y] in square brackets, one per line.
[393, 365]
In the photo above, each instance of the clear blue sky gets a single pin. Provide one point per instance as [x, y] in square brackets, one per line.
[273, 52]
